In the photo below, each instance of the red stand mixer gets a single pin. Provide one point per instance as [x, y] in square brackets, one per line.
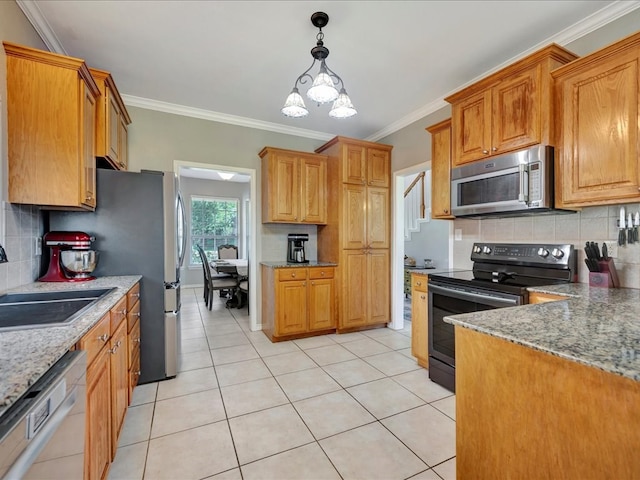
[72, 260]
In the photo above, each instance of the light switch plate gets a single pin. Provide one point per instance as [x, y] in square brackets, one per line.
[457, 234]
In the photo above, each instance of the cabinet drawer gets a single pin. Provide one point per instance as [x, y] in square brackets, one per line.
[134, 343]
[133, 296]
[96, 338]
[285, 274]
[118, 313]
[318, 273]
[419, 282]
[133, 315]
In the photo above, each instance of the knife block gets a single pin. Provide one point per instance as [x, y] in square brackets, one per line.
[607, 277]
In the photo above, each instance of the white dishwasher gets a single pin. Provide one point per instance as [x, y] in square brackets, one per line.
[42, 434]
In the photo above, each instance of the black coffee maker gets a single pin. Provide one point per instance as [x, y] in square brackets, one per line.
[295, 249]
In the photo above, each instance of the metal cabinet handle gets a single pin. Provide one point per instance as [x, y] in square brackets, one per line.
[104, 337]
[313, 283]
[322, 273]
[293, 275]
[89, 198]
[485, 151]
[422, 297]
[418, 283]
[137, 340]
[138, 372]
[124, 312]
[495, 149]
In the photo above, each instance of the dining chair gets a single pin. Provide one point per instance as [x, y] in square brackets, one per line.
[214, 281]
[227, 251]
[243, 291]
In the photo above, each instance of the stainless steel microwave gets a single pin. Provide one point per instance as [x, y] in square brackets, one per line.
[513, 184]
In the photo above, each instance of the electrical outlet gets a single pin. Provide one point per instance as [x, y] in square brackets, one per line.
[457, 234]
[612, 248]
[38, 248]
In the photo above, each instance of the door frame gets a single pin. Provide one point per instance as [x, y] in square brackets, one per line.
[251, 223]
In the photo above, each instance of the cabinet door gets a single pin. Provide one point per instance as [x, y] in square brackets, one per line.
[516, 112]
[98, 428]
[284, 194]
[354, 290]
[88, 183]
[113, 128]
[419, 323]
[471, 119]
[378, 286]
[354, 220]
[313, 201]
[119, 383]
[291, 304]
[378, 217]
[598, 146]
[321, 304]
[123, 142]
[354, 164]
[441, 170]
[378, 167]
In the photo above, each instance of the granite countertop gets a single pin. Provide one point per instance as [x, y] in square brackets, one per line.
[27, 354]
[598, 327]
[284, 264]
[429, 271]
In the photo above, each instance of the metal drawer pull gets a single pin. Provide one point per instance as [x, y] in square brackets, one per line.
[104, 337]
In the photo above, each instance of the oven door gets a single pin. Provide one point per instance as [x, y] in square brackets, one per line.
[447, 300]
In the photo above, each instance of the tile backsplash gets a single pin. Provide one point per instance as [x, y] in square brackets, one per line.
[23, 226]
[590, 224]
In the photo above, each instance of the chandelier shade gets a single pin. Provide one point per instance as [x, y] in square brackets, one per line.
[324, 87]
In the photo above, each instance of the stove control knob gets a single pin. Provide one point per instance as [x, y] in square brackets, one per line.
[557, 253]
[543, 252]
[476, 249]
[486, 250]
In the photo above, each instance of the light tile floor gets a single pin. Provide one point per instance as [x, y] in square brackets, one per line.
[351, 406]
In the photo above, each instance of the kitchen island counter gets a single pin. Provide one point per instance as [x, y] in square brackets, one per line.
[550, 390]
[28, 353]
[597, 327]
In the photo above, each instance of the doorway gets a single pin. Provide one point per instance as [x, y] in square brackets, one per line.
[247, 223]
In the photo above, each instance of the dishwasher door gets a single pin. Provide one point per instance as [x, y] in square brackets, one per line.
[42, 434]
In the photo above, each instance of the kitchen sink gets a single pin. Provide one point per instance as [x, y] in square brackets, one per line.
[46, 309]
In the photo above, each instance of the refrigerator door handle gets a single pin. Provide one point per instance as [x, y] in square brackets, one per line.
[183, 218]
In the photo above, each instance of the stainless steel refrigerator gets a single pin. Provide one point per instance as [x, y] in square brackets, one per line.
[139, 225]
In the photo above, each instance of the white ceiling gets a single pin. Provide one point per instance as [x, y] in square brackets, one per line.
[236, 61]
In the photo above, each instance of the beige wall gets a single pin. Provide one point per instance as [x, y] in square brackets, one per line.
[21, 224]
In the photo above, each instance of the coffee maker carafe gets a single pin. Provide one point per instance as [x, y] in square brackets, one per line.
[295, 250]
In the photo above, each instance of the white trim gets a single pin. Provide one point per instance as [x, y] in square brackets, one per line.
[253, 246]
[33, 13]
[157, 105]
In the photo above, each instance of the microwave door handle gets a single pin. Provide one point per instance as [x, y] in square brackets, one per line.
[523, 195]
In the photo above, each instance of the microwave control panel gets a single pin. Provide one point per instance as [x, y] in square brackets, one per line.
[535, 182]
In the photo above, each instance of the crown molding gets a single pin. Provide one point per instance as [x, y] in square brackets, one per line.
[43, 29]
[176, 109]
[583, 27]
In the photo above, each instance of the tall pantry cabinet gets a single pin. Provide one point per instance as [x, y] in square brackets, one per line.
[357, 233]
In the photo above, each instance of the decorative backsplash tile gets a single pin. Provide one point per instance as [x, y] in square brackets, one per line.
[23, 225]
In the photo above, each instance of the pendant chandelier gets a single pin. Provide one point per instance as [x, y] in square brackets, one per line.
[323, 87]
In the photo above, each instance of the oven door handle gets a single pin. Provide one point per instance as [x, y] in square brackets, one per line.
[487, 299]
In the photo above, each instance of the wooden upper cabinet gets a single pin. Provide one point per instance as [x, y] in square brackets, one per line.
[508, 110]
[51, 102]
[441, 169]
[354, 164]
[112, 119]
[378, 167]
[597, 155]
[294, 187]
[378, 218]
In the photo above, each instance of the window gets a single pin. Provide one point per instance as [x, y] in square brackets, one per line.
[214, 222]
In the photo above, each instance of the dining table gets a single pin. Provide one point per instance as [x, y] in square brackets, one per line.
[233, 266]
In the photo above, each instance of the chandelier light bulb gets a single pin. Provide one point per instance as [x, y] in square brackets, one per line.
[342, 107]
[294, 105]
[322, 90]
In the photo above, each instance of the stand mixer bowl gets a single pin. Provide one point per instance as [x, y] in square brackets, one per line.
[79, 263]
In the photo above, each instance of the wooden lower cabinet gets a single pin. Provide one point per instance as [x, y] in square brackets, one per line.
[119, 383]
[133, 337]
[419, 319]
[298, 301]
[365, 275]
[98, 419]
[113, 368]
